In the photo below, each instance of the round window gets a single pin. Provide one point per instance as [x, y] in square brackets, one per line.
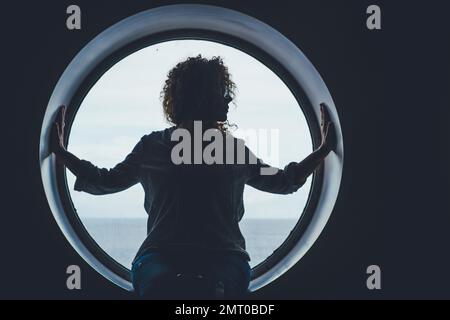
[112, 90]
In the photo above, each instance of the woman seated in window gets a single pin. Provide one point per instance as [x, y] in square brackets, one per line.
[193, 175]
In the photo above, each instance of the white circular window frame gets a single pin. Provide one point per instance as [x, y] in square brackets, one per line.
[209, 18]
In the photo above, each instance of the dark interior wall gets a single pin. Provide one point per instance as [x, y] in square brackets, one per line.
[391, 89]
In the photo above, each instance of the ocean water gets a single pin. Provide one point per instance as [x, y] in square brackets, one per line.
[121, 238]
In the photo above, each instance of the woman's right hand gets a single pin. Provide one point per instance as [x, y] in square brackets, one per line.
[57, 135]
[327, 129]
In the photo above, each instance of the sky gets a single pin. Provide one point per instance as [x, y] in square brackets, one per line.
[125, 104]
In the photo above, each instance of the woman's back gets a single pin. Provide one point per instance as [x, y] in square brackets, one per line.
[190, 205]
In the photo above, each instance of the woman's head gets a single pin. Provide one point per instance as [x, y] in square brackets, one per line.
[198, 89]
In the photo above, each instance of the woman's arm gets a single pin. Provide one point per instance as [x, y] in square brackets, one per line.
[295, 174]
[57, 144]
[308, 165]
[90, 178]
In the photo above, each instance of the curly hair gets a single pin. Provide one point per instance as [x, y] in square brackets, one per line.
[198, 89]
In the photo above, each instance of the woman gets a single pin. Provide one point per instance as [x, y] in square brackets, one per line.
[194, 248]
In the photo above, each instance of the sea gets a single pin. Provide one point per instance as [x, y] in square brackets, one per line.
[121, 238]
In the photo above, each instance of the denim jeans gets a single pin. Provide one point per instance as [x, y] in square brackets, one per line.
[190, 275]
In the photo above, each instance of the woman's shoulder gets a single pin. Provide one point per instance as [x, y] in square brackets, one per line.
[158, 136]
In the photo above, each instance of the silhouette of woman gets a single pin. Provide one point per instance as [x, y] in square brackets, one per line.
[194, 247]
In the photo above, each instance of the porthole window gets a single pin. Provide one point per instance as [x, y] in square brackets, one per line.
[112, 89]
